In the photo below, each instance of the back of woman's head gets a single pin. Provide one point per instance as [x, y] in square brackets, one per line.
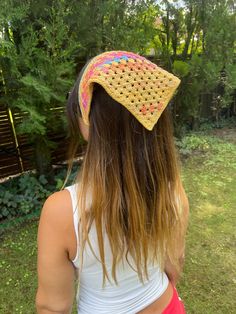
[133, 177]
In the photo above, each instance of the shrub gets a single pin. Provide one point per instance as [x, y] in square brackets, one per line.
[22, 195]
[26, 194]
[193, 143]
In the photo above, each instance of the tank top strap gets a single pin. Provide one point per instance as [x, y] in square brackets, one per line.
[73, 190]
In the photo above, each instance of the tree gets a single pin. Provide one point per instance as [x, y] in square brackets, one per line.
[196, 40]
[37, 67]
[112, 24]
[41, 45]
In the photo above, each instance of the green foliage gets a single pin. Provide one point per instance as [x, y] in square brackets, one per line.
[198, 143]
[210, 186]
[193, 143]
[196, 40]
[181, 68]
[207, 125]
[24, 195]
[37, 68]
[39, 62]
[112, 24]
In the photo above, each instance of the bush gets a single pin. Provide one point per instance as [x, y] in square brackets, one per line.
[194, 143]
[206, 124]
[22, 195]
[26, 194]
[200, 143]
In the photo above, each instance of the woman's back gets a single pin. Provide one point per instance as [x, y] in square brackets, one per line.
[130, 295]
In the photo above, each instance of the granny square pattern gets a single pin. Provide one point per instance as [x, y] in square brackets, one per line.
[139, 85]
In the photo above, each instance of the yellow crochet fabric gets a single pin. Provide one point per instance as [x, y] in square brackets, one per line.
[135, 82]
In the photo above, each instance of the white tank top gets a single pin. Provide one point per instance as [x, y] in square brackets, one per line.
[129, 296]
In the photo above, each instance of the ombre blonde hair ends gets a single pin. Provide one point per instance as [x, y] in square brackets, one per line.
[132, 176]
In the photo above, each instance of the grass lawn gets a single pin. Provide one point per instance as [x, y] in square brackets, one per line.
[208, 285]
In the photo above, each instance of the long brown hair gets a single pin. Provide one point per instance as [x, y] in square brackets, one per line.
[133, 177]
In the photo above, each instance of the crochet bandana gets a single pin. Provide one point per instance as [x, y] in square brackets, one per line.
[139, 85]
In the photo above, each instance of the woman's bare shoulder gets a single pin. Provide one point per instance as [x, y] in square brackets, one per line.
[60, 198]
[57, 210]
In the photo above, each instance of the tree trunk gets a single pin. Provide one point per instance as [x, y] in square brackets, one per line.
[43, 159]
[190, 30]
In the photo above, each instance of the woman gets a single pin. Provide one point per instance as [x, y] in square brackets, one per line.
[121, 226]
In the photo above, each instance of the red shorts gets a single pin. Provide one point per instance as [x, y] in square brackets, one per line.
[175, 306]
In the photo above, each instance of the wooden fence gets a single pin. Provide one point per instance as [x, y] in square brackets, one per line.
[9, 156]
[16, 152]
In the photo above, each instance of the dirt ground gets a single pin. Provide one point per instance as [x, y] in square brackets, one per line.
[229, 134]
